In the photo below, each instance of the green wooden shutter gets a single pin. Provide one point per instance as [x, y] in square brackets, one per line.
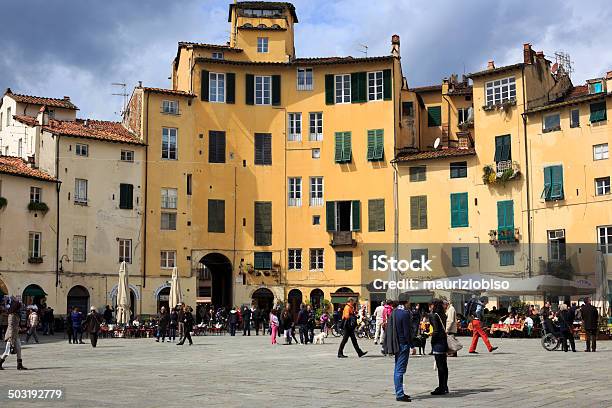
[263, 223]
[347, 152]
[204, 87]
[126, 196]
[418, 212]
[230, 87]
[423, 212]
[376, 215]
[339, 143]
[216, 216]
[505, 220]
[339, 261]
[329, 89]
[371, 144]
[547, 183]
[387, 84]
[363, 86]
[348, 261]
[379, 148]
[459, 210]
[506, 148]
[359, 87]
[262, 260]
[434, 116]
[276, 90]
[556, 189]
[267, 149]
[249, 90]
[356, 216]
[330, 215]
[598, 112]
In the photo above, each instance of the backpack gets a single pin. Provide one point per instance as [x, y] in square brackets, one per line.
[470, 308]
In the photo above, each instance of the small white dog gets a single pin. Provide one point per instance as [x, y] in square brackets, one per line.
[320, 338]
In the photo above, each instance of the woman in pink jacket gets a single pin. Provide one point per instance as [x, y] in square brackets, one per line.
[274, 325]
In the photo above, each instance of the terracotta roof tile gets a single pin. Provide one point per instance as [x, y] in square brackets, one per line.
[427, 88]
[28, 120]
[211, 46]
[302, 61]
[433, 154]
[41, 100]
[495, 70]
[169, 92]
[578, 91]
[16, 166]
[575, 95]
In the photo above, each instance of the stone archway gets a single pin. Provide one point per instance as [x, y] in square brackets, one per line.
[263, 298]
[217, 275]
[33, 295]
[78, 296]
[316, 298]
[294, 300]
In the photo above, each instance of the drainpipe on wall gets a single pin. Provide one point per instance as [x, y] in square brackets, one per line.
[528, 184]
[146, 164]
[57, 219]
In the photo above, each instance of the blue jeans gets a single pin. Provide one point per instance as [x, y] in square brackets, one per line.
[401, 362]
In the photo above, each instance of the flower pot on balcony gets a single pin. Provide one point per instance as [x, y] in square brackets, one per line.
[35, 259]
[41, 207]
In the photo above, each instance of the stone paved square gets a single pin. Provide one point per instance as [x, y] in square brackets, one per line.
[224, 371]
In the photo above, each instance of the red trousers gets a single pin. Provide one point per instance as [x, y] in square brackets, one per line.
[478, 332]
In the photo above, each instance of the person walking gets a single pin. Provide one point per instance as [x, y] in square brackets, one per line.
[378, 319]
[349, 323]
[389, 307]
[566, 320]
[437, 319]
[33, 320]
[188, 322]
[180, 311]
[324, 320]
[69, 329]
[256, 315]
[302, 322]
[451, 321]
[108, 314]
[478, 311]
[247, 314]
[590, 321]
[77, 325]
[11, 336]
[233, 321]
[286, 324]
[92, 325]
[311, 323]
[172, 325]
[162, 324]
[399, 341]
[274, 323]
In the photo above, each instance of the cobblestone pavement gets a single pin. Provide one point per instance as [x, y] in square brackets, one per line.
[241, 371]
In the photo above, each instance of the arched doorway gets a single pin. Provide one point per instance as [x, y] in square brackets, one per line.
[294, 299]
[263, 298]
[33, 295]
[340, 297]
[216, 275]
[316, 298]
[78, 296]
[163, 298]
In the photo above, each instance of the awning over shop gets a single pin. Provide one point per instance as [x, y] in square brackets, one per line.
[34, 291]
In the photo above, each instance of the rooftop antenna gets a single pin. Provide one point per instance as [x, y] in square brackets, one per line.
[123, 93]
[364, 49]
[562, 59]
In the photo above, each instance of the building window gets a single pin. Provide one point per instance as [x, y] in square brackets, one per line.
[51, 113]
[263, 223]
[316, 153]
[262, 44]
[372, 255]
[463, 115]
[596, 87]
[316, 259]
[434, 116]
[418, 212]
[80, 191]
[217, 55]
[168, 221]
[376, 215]
[263, 90]
[376, 145]
[125, 250]
[35, 194]
[553, 183]
[170, 107]
[460, 256]
[556, 245]
[81, 149]
[505, 221]
[602, 186]
[169, 197]
[216, 146]
[598, 112]
[168, 147]
[375, 86]
[600, 151]
[79, 248]
[216, 86]
[344, 260]
[343, 88]
[419, 254]
[316, 126]
[506, 258]
[167, 259]
[263, 260]
[35, 245]
[605, 239]
[126, 196]
[295, 127]
[575, 118]
[343, 215]
[500, 91]
[407, 109]
[127, 155]
[316, 191]
[263, 149]
[189, 184]
[417, 173]
[551, 123]
[459, 210]
[458, 170]
[295, 192]
[9, 117]
[216, 216]
[343, 152]
[20, 148]
[295, 259]
[304, 79]
[316, 220]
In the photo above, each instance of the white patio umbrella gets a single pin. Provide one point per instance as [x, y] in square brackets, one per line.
[175, 289]
[123, 296]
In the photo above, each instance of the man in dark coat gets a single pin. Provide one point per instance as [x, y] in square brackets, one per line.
[590, 321]
[246, 319]
[92, 325]
[399, 343]
[162, 325]
[256, 316]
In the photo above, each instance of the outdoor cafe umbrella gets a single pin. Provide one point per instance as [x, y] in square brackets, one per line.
[123, 296]
[175, 289]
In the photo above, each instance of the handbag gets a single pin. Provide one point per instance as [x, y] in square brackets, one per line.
[452, 343]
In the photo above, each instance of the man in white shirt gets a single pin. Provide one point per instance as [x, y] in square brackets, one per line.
[378, 315]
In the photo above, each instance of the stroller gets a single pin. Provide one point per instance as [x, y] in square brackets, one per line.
[551, 335]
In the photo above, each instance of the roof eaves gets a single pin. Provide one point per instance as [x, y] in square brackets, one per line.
[495, 70]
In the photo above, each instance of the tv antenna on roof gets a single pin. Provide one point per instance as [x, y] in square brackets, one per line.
[122, 93]
[562, 59]
[364, 49]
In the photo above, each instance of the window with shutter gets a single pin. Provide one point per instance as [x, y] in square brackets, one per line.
[458, 170]
[263, 149]
[126, 200]
[505, 220]
[459, 210]
[375, 145]
[263, 223]
[387, 84]
[343, 152]
[407, 109]
[419, 254]
[434, 116]
[598, 112]
[359, 87]
[503, 149]
[417, 173]
[249, 89]
[216, 216]
[418, 212]
[461, 256]
[262, 260]
[376, 215]
[216, 146]
[506, 258]
[204, 86]
[330, 215]
[553, 183]
[355, 215]
[276, 90]
[344, 260]
[371, 255]
[230, 92]
[329, 89]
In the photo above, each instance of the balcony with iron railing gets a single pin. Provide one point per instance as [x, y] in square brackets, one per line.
[504, 235]
[500, 172]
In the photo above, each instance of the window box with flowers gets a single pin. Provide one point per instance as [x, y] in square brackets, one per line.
[38, 206]
[35, 259]
[500, 172]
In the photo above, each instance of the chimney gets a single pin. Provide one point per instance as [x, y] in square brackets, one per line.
[540, 54]
[140, 84]
[491, 64]
[527, 54]
[67, 98]
[395, 45]
[43, 116]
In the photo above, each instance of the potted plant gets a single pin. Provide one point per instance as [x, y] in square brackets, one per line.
[38, 206]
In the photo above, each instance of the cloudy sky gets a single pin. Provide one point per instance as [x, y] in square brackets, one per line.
[79, 47]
